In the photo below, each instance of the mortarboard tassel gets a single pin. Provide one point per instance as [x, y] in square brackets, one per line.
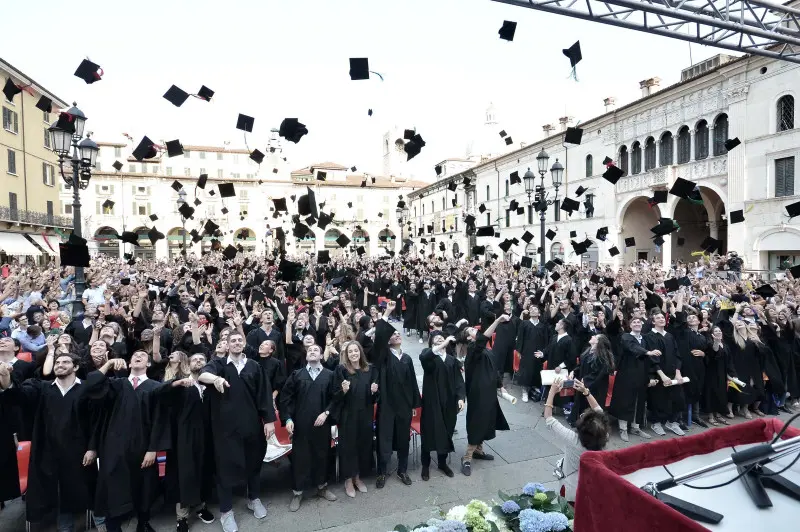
[573, 74]
[27, 88]
[127, 137]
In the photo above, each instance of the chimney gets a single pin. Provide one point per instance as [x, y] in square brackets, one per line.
[610, 103]
[548, 128]
[565, 121]
[649, 86]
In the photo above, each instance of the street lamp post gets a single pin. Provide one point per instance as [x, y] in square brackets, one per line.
[66, 139]
[556, 172]
[402, 215]
[181, 201]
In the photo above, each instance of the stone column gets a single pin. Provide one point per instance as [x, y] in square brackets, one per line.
[666, 252]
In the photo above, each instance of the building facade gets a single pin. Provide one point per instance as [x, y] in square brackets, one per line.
[141, 189]
[679, 131]
[30, 211]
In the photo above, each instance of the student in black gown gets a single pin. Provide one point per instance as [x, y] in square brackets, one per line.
[532, 338]
[306, 403]
[719, 368]
[63, 460]
[399, 396]
[426, 303]
[356, 388]
[505, 337]
[273, 368]
[484, 415]
[665, 400]
[596, 365]
[242, 419]
[443, 396]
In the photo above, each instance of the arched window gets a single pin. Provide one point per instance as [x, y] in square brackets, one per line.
[622, 161]
[649, 153]
[720, 134]
[684, 145]
[786, 113]
[701, 140]
[636, 158]
[665, 155]
[589, 166]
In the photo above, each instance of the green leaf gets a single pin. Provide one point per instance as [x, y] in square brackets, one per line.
[493, 526]
[401, 528]
[503, 496]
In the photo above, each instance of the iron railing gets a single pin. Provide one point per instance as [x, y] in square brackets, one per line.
[8, 214]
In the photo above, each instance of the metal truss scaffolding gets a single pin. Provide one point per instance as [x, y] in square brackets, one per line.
[750, 26]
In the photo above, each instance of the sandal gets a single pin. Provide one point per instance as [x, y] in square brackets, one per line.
[747, 414]
[723, 421]
[759, 413]
[729, 415]
[712, 421]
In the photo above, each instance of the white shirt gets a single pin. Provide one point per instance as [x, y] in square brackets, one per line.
[534, 322]
[95, 295]
[64, 391]
[200, 388]
[397, 353]
[314, 371]
[638, 336]
[142, 378]
[560, 336]
[572, 453]
[239, 365]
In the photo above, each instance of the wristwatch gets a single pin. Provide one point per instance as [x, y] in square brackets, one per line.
[327, 413]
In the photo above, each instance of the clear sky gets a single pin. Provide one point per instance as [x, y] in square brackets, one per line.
[442, 62]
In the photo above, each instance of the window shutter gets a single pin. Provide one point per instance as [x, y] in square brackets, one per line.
[44, 173]
[133, 189]
[788, 179]
[780, 189]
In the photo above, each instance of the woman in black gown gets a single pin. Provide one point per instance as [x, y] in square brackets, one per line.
[355, 382]
[596, 365]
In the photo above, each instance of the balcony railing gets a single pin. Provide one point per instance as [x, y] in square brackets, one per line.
[8, 214]
[664, 175]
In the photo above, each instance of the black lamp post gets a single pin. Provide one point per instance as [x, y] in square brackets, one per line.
[557, 173]
[402, 215]
[181, 201]
[66, 139]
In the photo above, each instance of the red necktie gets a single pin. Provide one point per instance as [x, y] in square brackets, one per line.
[135, 382]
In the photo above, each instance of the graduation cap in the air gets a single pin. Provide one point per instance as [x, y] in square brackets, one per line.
[205, 93]
[66, 122]
[507, 30]
[230, 252]
[569, 205]
[414, 146]
[307, 204]
[710, 244]
[478, 250]
[613, 174]
[482, 208]
[681, 241]
[659, 196]
[485, 231]
[573, 53]
[438, 169]
[683, 188]
[196, 236]
[359, 68]
[736, 217]
[45, 104]
[452, 186]
[513, 206]
[665, 226]
[573, 135]
[573, 234]
[508, 141]
[580, 191]
[630, 241]
[174, 148]
[505, 245]
[466, 182]
[671, 284]
[613, 251]
[765, 291]
[226, 190]
[257, 156]
[515, 178]
[145, 150]
[130, 237]
[10, 89]
[732, 143]
[322, 176]
[527, 237]
[89, 72]
[323, 256]
[550, 235]
[658, 241]
[324, 220]
[793, 209]
[526, 262]
[153, 217]
[176, 96]
[74, 252]
[107, 204]
[343, 241]
[245, 123]
[292, 130]
[210, 227]
[117, 166]
[186, 210]
[224, 210]
[795, 271]
[154, 235]
[176, 186]
[602, 233]
[300, 230]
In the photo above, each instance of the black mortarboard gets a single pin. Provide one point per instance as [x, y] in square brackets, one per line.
[196, 236]
[550, 235]
[224, 210]
[45, 104]
[513, 206]
[569, 205]
[709, 244]
[602, 233]
[454, 202]
[343, 241]
[176, 96]
[230, 252]
[665, 226]
[580, 191]
[307, 204]
[291, 129]
[732, 143]
[108, 204]
[682, 188]
[469, 220]
[205, 93]
[482, 208]
[574, 53]
[527, 262]
[508, 141]
[323, 220]
[573, 135]
[630, 241]
[66, 122]
[245, 123]
[414, 146]
[438, 169]
[505, 245]
[613, 174]
[87, 71]
[154, 235]
[210, 227]
[466, 182]
[226, 190]
[361, 250]
[153, 217]
[117, 166]
[73, 254]
[555, 276]
[521, 210]
[290, 271]
[659, 196]
[549, 265]
[145, 150]
[452, 186]
[485, 231]
[323, 256]
[186, 210]
[558, 261]
[130, 237]
[573, 234]
[737, 216]
[176, 186]
[350, 204]
[300, 230]
[10, 89]
[527, 236]
[658, 241]
[671, 284]
[478, 250]
[174, 148]
[765, 291]
[201, 181]
[607, 160]
[793, 209]
[322, 176]
[507, 30]
[359, 68]
[594, 278]
[681, 241]
[408, 134]
[515, 178]
[442, 246]
[353, 169]
[795, 271]
[257, 156]
[613, 251]
[579, 248]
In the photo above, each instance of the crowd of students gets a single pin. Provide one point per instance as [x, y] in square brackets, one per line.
[202, 357]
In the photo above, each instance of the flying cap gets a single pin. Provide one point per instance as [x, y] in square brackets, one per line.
[736, 216]
[438, 169]
[795, 271]
[508, 141]
[478, 250]
[505, 245]
[153, 217]
[74, 254]
[359, 68]
[630, 241]
[671, 285]
[452, 186]
[154, 235]
[292, 130]
[10, 89]
[145, 150]
[88, 72]
[226, 190]
[665, 226]
[176, 186]
[681, 241]
[300, 230]
[323, 256]
[414, 146]
[485, 231]
[257, 156]
[45, 104]
[515, 178]
[659, 240]
[613, 251]
[202, 180]
[117, 166]
[793, 209]
[343, 241]
[573, 53]
[550, 235]
[765, 291]
[527, 262]
[682, 188]
[176, 96]
[732, 143]
[527, 237]
[513, 206]
[573, 234]
[324, 220]
[186, 210]
[580, 191]
[613, 174]
[130, 237]
[230, 252]
[569, 205]
[108, 204]
[659, 196]
[245, 123]
[174, 148]
[573, 135]
[710, 244]
[205, 93]
[507, 30]
[307, 204]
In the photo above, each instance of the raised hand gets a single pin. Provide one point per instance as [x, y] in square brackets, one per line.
[345, 386]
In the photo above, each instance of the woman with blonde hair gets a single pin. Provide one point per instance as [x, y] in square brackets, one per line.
[772, 382]
[178, 366]
[355, 382]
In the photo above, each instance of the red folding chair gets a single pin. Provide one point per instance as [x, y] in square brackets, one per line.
[23, 462]
[609, 394]
[517, 362]
[161, 460]
[24, 355]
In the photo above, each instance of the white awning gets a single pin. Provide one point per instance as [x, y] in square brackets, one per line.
[17, 244]
[54, 240]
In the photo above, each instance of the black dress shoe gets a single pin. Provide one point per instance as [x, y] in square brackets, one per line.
[426, 473]
[683, 426]
[182, 526]
[466, 467]
[404, 478]
[700, 422]
[482, 456]
[444, 468]
[381, 482]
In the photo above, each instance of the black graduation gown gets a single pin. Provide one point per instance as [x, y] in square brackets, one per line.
[442, 388]
[426, 303]
[714, 397]
[781, 346]
[303, 399]
[505, 339]
[664, 401]
[693, 367]
[366, 344]
[471, 307]
[11, 420]
[531, 338]
[275, 371]
[630, 384]
[237, 420]
[748, 370]
[189, 467]
[559, 351]
[410, 315]
[355, 412]
[136, 424]
[594, 374]
[256, 336]
[484, 415]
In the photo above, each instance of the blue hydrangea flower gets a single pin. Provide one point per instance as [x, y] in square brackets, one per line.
[532, 487]
[532, 521]
[556, 521]
[448, 525]
[509, 507]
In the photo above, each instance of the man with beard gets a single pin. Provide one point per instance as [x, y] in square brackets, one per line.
[62, 463]
[267, 331]
[189, 467]
[533, 337]
[242, 419]
[399, 396]
[443, 396]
